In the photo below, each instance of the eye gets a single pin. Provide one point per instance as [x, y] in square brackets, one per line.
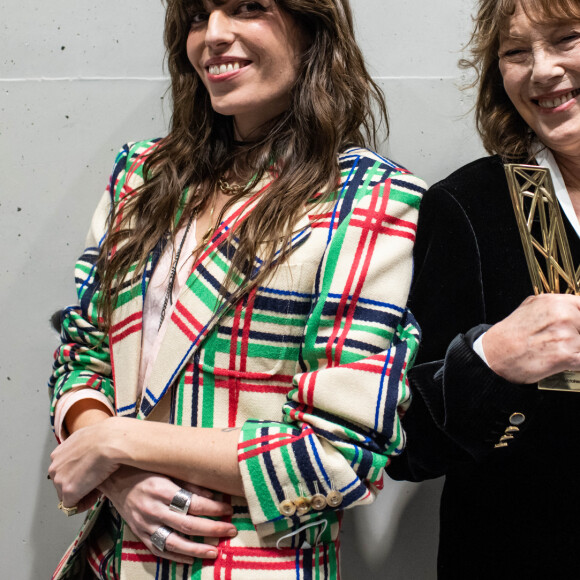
[198, 18]
[571, 37]
[514, 54]
[250, 8]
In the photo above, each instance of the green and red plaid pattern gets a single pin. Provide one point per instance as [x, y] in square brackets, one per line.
[312, 365]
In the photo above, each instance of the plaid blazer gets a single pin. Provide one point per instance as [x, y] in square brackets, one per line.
[312, 366]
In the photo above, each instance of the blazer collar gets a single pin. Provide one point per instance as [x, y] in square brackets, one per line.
[196, 312]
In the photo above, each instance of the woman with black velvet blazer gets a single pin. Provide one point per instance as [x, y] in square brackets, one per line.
[511, 502]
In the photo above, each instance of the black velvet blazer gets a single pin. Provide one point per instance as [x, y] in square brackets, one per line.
[507, 512]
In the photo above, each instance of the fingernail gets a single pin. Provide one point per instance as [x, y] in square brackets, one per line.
[212, 554]
[233, 532]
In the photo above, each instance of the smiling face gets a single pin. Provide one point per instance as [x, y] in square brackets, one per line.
[247, 55]
[540, 66]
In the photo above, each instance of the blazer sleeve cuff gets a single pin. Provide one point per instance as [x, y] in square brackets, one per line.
[480, 406]
[266, 470]
[284, 467]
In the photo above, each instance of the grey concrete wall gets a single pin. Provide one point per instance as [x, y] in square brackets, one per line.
[77, 80]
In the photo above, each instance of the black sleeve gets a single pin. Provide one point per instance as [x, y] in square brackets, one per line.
[460, 408]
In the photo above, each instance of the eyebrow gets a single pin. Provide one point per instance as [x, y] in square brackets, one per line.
[509, 36]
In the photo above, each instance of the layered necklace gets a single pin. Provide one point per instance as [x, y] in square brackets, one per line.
[227, 189]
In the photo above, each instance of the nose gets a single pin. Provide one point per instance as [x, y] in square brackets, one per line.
[546, 65]
[219, 29]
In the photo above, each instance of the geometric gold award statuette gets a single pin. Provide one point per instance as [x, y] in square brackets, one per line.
[549, 258]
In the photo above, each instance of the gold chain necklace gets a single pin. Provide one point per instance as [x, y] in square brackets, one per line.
[173, 271]
[229, 189]
[211, 229]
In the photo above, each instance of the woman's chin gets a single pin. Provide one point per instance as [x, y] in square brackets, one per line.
[562, 140]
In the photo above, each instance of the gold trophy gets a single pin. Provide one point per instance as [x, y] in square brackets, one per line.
[549, 258]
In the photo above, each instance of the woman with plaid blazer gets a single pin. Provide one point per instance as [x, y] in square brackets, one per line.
[234, 373]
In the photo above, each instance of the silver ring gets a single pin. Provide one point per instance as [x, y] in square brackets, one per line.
[181, 501]
[159, 537]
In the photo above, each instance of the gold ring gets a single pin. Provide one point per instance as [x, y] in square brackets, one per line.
[69, 511]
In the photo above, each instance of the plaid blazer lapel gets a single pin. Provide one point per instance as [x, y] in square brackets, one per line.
[199, 307]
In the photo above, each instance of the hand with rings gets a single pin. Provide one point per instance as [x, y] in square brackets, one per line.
[180, 504]
[161, 513]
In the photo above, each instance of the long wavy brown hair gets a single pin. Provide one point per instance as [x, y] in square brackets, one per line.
[500, 126]
[334, 104]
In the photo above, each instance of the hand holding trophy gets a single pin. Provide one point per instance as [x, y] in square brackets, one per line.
[548, 254]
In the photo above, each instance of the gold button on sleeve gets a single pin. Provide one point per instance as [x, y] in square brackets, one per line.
[287, 508]
[302, 506]
[334, 498]
[318, 501]
[517, 418]
[302, 510]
